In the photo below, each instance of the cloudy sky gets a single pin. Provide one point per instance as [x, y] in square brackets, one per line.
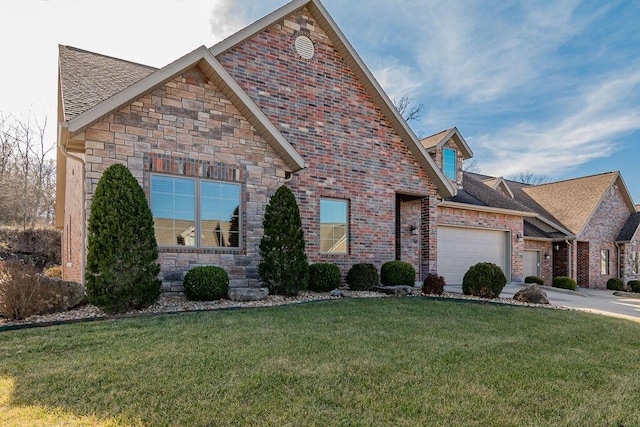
[551, 87]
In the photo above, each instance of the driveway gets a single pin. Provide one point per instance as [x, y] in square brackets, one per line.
[591, 300]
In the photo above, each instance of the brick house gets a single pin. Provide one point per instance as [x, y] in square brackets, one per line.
[211, 136]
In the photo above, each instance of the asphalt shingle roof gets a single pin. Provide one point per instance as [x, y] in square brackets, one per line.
[629, 229]
[433, 140]
[88, 78]
[476, 192]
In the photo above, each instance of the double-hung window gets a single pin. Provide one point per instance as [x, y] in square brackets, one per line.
[195, 212]
[449, 163]
[635, 262]
[334, 227]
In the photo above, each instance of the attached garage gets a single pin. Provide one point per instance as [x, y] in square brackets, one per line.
[460, 247]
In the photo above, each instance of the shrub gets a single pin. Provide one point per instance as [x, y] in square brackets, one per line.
[433, 284]
[615, 284]
[394, 273]
[362, 277]
[534, 279]
[55, 271]
[484, 279]
[634, 285]
[25, 292]
[283, 267]
[121, 270]
[206, 283]
[564, 283]
[324, 277]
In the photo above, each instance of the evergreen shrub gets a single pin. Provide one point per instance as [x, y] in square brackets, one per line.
[484, 279]
[615, 284]
[394, 273]
[283, 265]
[122, 269]
[206, 283]
[324, 277]
[534, 279]
[362, 277]
[563, 282]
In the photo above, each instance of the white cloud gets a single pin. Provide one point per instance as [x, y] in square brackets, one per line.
[227, 17]
[592, 129]
[395, 78]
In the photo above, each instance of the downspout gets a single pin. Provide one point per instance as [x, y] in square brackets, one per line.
[63, 131]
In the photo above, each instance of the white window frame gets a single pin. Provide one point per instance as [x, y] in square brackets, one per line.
[635, 262]
[198, 213]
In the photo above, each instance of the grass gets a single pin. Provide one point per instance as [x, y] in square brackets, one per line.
[392, 361]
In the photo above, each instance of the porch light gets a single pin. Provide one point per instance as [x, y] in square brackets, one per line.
[547, 256]
[413, 229]
[519, 237]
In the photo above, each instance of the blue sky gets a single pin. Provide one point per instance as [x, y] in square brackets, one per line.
[546, 86]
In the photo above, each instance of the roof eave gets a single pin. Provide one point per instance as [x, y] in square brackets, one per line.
[480, 208]
[203, 58]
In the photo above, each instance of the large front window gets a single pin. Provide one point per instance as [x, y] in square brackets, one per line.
[333, 225]
[449, 163]
[195, 212]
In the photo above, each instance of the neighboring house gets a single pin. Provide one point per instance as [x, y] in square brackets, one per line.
[585, 228]
[211, 136]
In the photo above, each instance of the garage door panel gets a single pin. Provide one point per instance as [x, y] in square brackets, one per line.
[460, 248]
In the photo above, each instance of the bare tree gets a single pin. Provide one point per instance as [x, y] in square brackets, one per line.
[407, 109]
[471, 165]
[27, 174]
[529, 177]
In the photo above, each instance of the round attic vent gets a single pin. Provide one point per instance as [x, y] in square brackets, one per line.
[304, 47]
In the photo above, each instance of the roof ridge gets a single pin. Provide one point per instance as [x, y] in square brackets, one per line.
[573, 179]
[77, 49]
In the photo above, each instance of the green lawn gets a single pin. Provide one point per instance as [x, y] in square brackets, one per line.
[391, 361]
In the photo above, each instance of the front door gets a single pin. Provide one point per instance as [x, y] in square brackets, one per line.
[531, 263]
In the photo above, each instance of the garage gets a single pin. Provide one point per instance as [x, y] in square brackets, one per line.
[459, 248]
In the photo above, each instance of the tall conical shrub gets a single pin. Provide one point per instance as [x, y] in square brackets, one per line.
[283, 267]
[122, 269]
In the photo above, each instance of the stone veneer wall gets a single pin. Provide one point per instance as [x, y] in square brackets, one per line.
[352, 151]
[492, 221]
[189, 128]
[437, 156]
[627, 260]
[601, 231]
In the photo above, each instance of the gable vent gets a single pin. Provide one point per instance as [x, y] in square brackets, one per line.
[304, 47]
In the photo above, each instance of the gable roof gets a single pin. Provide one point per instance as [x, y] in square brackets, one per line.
[200, 57]
[88, 78]
[476, 193]
[436, 141]
[499, 182]
[360, 70]
[629, 229]
[572, 202]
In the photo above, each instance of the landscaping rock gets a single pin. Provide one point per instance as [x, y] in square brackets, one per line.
[338, 293]
[533, 295]
[395, 290]
[248, 294]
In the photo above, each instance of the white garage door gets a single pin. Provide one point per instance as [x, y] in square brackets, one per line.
[460, 248]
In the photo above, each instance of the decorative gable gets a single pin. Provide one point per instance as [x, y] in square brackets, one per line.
[449, 150]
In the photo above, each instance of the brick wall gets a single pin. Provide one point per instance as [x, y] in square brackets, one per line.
[546, 265]
[627, 250]
[493, 221]
[601, 232]
[189, 128]
[352, 151]
[73, 233]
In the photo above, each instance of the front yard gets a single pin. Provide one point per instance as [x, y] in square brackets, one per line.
[391, 361]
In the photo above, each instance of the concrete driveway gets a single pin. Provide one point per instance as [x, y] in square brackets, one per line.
[591, 300]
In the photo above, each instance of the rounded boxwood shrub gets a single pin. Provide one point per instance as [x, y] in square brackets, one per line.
[122, 268]
[394, 273]
[564, 283]
[206, 283]
[534, 279]
[484, 279]
[615, 284]
[433, 284]
[324, 277]
[362, 277]
[634, 285]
